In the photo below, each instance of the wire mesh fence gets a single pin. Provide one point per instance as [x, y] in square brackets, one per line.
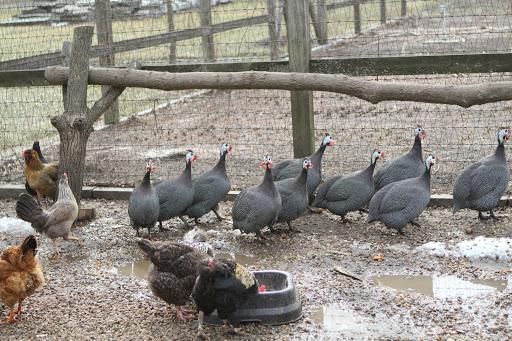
[161, 125]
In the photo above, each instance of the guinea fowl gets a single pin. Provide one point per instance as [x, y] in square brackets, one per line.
[257, 206]
[294, 195]
[175, 195]
[407, 166]
[57, 221]
[398, 203]
[481, 184]
[292, 168]
[143, 206]
[343, 194]
[174, 271]
[37, 149]
[223, 285]
[210, 188]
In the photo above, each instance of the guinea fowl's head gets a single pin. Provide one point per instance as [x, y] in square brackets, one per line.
[430, 161]
[63, 178]
[328, 140]
[225, 149]
[420, 132]
[377, 154]
[306, 164]
[190, 157]
[266, 163]
[504, 135]
[149, 167]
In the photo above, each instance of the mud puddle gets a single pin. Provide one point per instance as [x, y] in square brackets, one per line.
[441, 286]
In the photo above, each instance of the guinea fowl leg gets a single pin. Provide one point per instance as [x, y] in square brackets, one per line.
[492, 216]
[185, 222]
[200, 332]
[291, 228]
[481, 216]
[219, 217]
[56, 251]
[415, 223]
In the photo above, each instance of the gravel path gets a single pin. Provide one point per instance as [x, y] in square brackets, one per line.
[89, 295]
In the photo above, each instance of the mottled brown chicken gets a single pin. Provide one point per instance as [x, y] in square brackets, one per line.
[42, 178]
[20, 276]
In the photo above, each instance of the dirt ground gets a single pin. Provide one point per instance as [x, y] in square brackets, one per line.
[93, 292]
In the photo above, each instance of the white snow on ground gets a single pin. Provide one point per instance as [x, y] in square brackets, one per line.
[499, 249]
[15, 226]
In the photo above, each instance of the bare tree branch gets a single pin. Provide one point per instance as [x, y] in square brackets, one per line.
[374, 92]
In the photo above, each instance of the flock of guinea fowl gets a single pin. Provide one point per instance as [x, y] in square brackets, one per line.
[395, 195]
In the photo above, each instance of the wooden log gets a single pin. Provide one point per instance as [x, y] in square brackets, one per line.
[371, 91]
[299, 51]
[207, 36]
[170, 27]
[357, 17]
[106, 41]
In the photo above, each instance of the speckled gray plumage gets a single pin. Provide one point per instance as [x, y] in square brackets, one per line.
[257, 206]
[294, 196]
[143, 206]
[175, 195]
[480, 185]
[209, 189]
[291, 168]
[400, 202]
[407, 166]
[343, 194]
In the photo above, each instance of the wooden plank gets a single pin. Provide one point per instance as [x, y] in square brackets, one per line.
[55, 58]
[207, 44]
[106, 40]
[299, 51]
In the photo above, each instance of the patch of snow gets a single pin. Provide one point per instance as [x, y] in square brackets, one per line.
[498, 249]
[15, 226]
[452, 287]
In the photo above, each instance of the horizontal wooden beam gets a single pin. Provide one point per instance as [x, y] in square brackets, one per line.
[384, 66]
[371, 91]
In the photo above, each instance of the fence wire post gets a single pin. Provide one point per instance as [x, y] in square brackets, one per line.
[170, 26]
[318, 13]
[205, 13]
[272, 30]
[107, 56]
[299, 50]
[357, 17]
[382, 12]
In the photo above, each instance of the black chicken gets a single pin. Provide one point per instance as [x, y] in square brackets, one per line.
[223, 285]
[37, 149]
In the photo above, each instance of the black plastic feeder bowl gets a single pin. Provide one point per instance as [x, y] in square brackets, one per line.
[279, 304]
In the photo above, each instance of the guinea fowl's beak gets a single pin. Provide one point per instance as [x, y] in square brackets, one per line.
[332, 143]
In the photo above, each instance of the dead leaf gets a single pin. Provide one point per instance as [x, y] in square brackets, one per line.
[378, 258]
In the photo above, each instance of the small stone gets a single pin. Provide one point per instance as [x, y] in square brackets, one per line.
[468, 230]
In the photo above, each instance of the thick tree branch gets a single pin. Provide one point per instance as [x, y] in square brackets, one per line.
[60, 123]
[374, 92]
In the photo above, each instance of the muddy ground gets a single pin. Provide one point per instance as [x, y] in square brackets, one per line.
[92, 293]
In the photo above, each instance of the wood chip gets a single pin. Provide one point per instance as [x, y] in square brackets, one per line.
[347, 273]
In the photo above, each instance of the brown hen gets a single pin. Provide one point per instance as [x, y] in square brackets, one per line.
[42, 178]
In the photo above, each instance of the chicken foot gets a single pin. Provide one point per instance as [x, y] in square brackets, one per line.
[230, 330]
[183, 314]
[11, 318]
[56, 251]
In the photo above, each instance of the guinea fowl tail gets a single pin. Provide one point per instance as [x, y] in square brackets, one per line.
[28, 209]
[147, 246]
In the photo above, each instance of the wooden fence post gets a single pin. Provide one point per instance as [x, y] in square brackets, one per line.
[207, 37]
[318, 13]
[357, 17]
[299, 50]
[273, 36]
[382, 12]
[170, 26]
[403, 9]
[106, 41]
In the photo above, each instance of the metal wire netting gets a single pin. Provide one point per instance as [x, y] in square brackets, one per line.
[161, 125]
